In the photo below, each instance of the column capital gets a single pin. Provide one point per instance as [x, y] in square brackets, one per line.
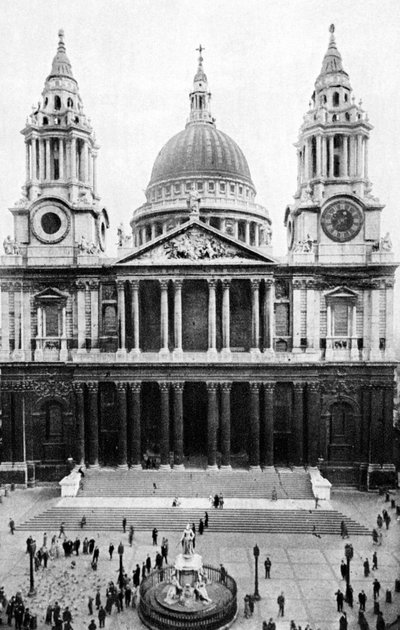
[212, 282]
[26, 287]
[226, 386]
[269, 386]
[254, 386]
[226, 283]
[212, 386]
[178, 284]
[134, 284]
[136, 386]
[178, 385]
[269, 282]
[120, 285]
[164, 284]
[94, 285]
[93, 387]
[255, 283]
[313, 387]
[78, 387]
[164, 386]
[80, 285]
[121, 386]
[298, 386]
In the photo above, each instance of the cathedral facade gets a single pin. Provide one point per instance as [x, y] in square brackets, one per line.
[195, 344]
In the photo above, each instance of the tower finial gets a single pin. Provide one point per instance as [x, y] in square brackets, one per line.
[200, 49]
[332, 28]
[61, 45]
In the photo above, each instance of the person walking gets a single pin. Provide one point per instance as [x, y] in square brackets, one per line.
[376, 587]
[343, 570]
[387, 520]
[374, 561]
[90, 605]
[154, 535]
[379, 521]
[349, 595]
[267, 566]
[131, 533]
[206, 520]
[366, 567]
[343, 622]
[339, 600]
[124, 524]
[380, 622]
[111, 550]
[201, 527]
[362, 600]
[11, 525]
[281, 604]
[343, 530]
[98, 599]
[102, 617]
[92, 625]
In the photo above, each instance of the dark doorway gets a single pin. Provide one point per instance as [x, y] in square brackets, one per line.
[281, 449]
[108, 425]
[240, 405]
[341, 432]
[195, 419]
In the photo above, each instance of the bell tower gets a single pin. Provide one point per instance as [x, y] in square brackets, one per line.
[58, 216]
[334, 218]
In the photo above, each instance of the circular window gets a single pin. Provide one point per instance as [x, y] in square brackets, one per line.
[51, 222]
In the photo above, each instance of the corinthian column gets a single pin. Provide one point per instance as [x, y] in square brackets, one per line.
[164, 429]
[267, 456]
[226, 425]
[93, 388]
[164, 316]
[255, 315]
[212, 318]
[178, 424]
[254, 455]
[226, 320]
[80, 423]
[212, 424]
[135, 427]
[178, 316]
[122, 428]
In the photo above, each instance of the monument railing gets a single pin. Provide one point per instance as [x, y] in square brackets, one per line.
[158, 618]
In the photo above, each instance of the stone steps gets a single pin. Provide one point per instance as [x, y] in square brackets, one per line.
[274, 521]
[232, 484]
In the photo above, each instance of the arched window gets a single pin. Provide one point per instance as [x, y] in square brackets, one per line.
[57, 102]
[334, 118]
[45, 120]
[335, 99]
[46, 100]
[347, 115]
[346, 97]
[70, 102]
[313, 157]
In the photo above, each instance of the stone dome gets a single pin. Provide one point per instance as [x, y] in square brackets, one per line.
[200, 150]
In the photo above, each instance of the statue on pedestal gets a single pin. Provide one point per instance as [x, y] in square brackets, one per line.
[187, 541]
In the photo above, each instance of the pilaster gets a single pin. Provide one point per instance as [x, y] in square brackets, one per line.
[254, 457]
[135, 424]
[267, 456]
[178, 424]
[226, 425]
[121, 388]
[212, 424]
[80, 422]
[93, 390]
[164, 429]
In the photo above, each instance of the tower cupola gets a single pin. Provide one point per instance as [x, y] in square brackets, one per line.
[200, 97]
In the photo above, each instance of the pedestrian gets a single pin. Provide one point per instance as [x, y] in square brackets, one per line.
[274, 494]
[62, 530]
[339, 600]
[387, 520]
[11, 525]
[111, 550]
[45, 557]
[164, 550]
[314, 532]
[206, 519]
[148, 564]
[92, 543]
[343, 570]
[90, 605]
[102, 617]
[124, 524]
[98, 599]
[316, 502]
[362, 599]
[349, 595]
[374, 561]
[92, 625]
[343, 622]
[376, 587]
[131, 533]
[221, 501]
[223, 574]
[380, 622]
[83, 521]
[271, 624]
[246, 606]
[201, 527]
[216, 501]
[143, 571]
[136, 576]
[251, 605]
[96, 553]
[366, 567]
[67, 615]
[281, 604]
[77, 544]
[267, 565]
[343, 530]
[154, 535]
[49, 615]
[380, 537]
[374, 536]
[379, 521]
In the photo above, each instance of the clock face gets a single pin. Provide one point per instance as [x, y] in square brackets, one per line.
[342, 221]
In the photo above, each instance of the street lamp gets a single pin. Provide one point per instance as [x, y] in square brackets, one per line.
[121, 568]
[32, 551]
[256, 553]
[348, 552]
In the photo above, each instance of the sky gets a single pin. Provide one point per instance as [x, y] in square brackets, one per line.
[134, 61]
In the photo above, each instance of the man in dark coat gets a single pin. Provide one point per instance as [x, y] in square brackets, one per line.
[124, 524]
[380, 622]
[343, 570]
[267, 565]
[148, 564]
[77, 544]
[339, 600]
[376, 586]
[111, 550]
[343, 622]
[154, 535]
[362, 599]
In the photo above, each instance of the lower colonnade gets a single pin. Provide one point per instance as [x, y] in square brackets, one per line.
[195, 414]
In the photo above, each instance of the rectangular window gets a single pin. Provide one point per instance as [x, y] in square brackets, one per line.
[168, 191]
[340, 320]
[188, 186]
[232, 189]
[240, 190]
[51, 321]
[177, 188]
[222, 187]
[211, 186]
[159, 192]
[282, 320]
[200, 186]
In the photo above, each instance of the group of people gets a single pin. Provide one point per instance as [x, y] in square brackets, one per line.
[15, 609]
[217, 500]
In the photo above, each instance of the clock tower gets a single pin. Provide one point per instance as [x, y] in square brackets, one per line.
[334, 218]
[58, 220]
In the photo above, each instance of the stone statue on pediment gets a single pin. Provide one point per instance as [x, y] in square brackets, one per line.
[11, 246]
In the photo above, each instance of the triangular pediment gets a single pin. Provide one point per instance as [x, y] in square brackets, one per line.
[51, 294]
[341, 292]
[194, 242]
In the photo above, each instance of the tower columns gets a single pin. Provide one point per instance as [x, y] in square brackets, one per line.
[122, 429]
[135, 315]
[164, 315]
[226, 324]
[255, 314]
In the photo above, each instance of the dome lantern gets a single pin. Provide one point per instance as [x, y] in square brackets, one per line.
[200, 97]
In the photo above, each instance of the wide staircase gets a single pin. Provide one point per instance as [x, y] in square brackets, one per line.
[275, 521]
[289, 484]
[102, 486]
